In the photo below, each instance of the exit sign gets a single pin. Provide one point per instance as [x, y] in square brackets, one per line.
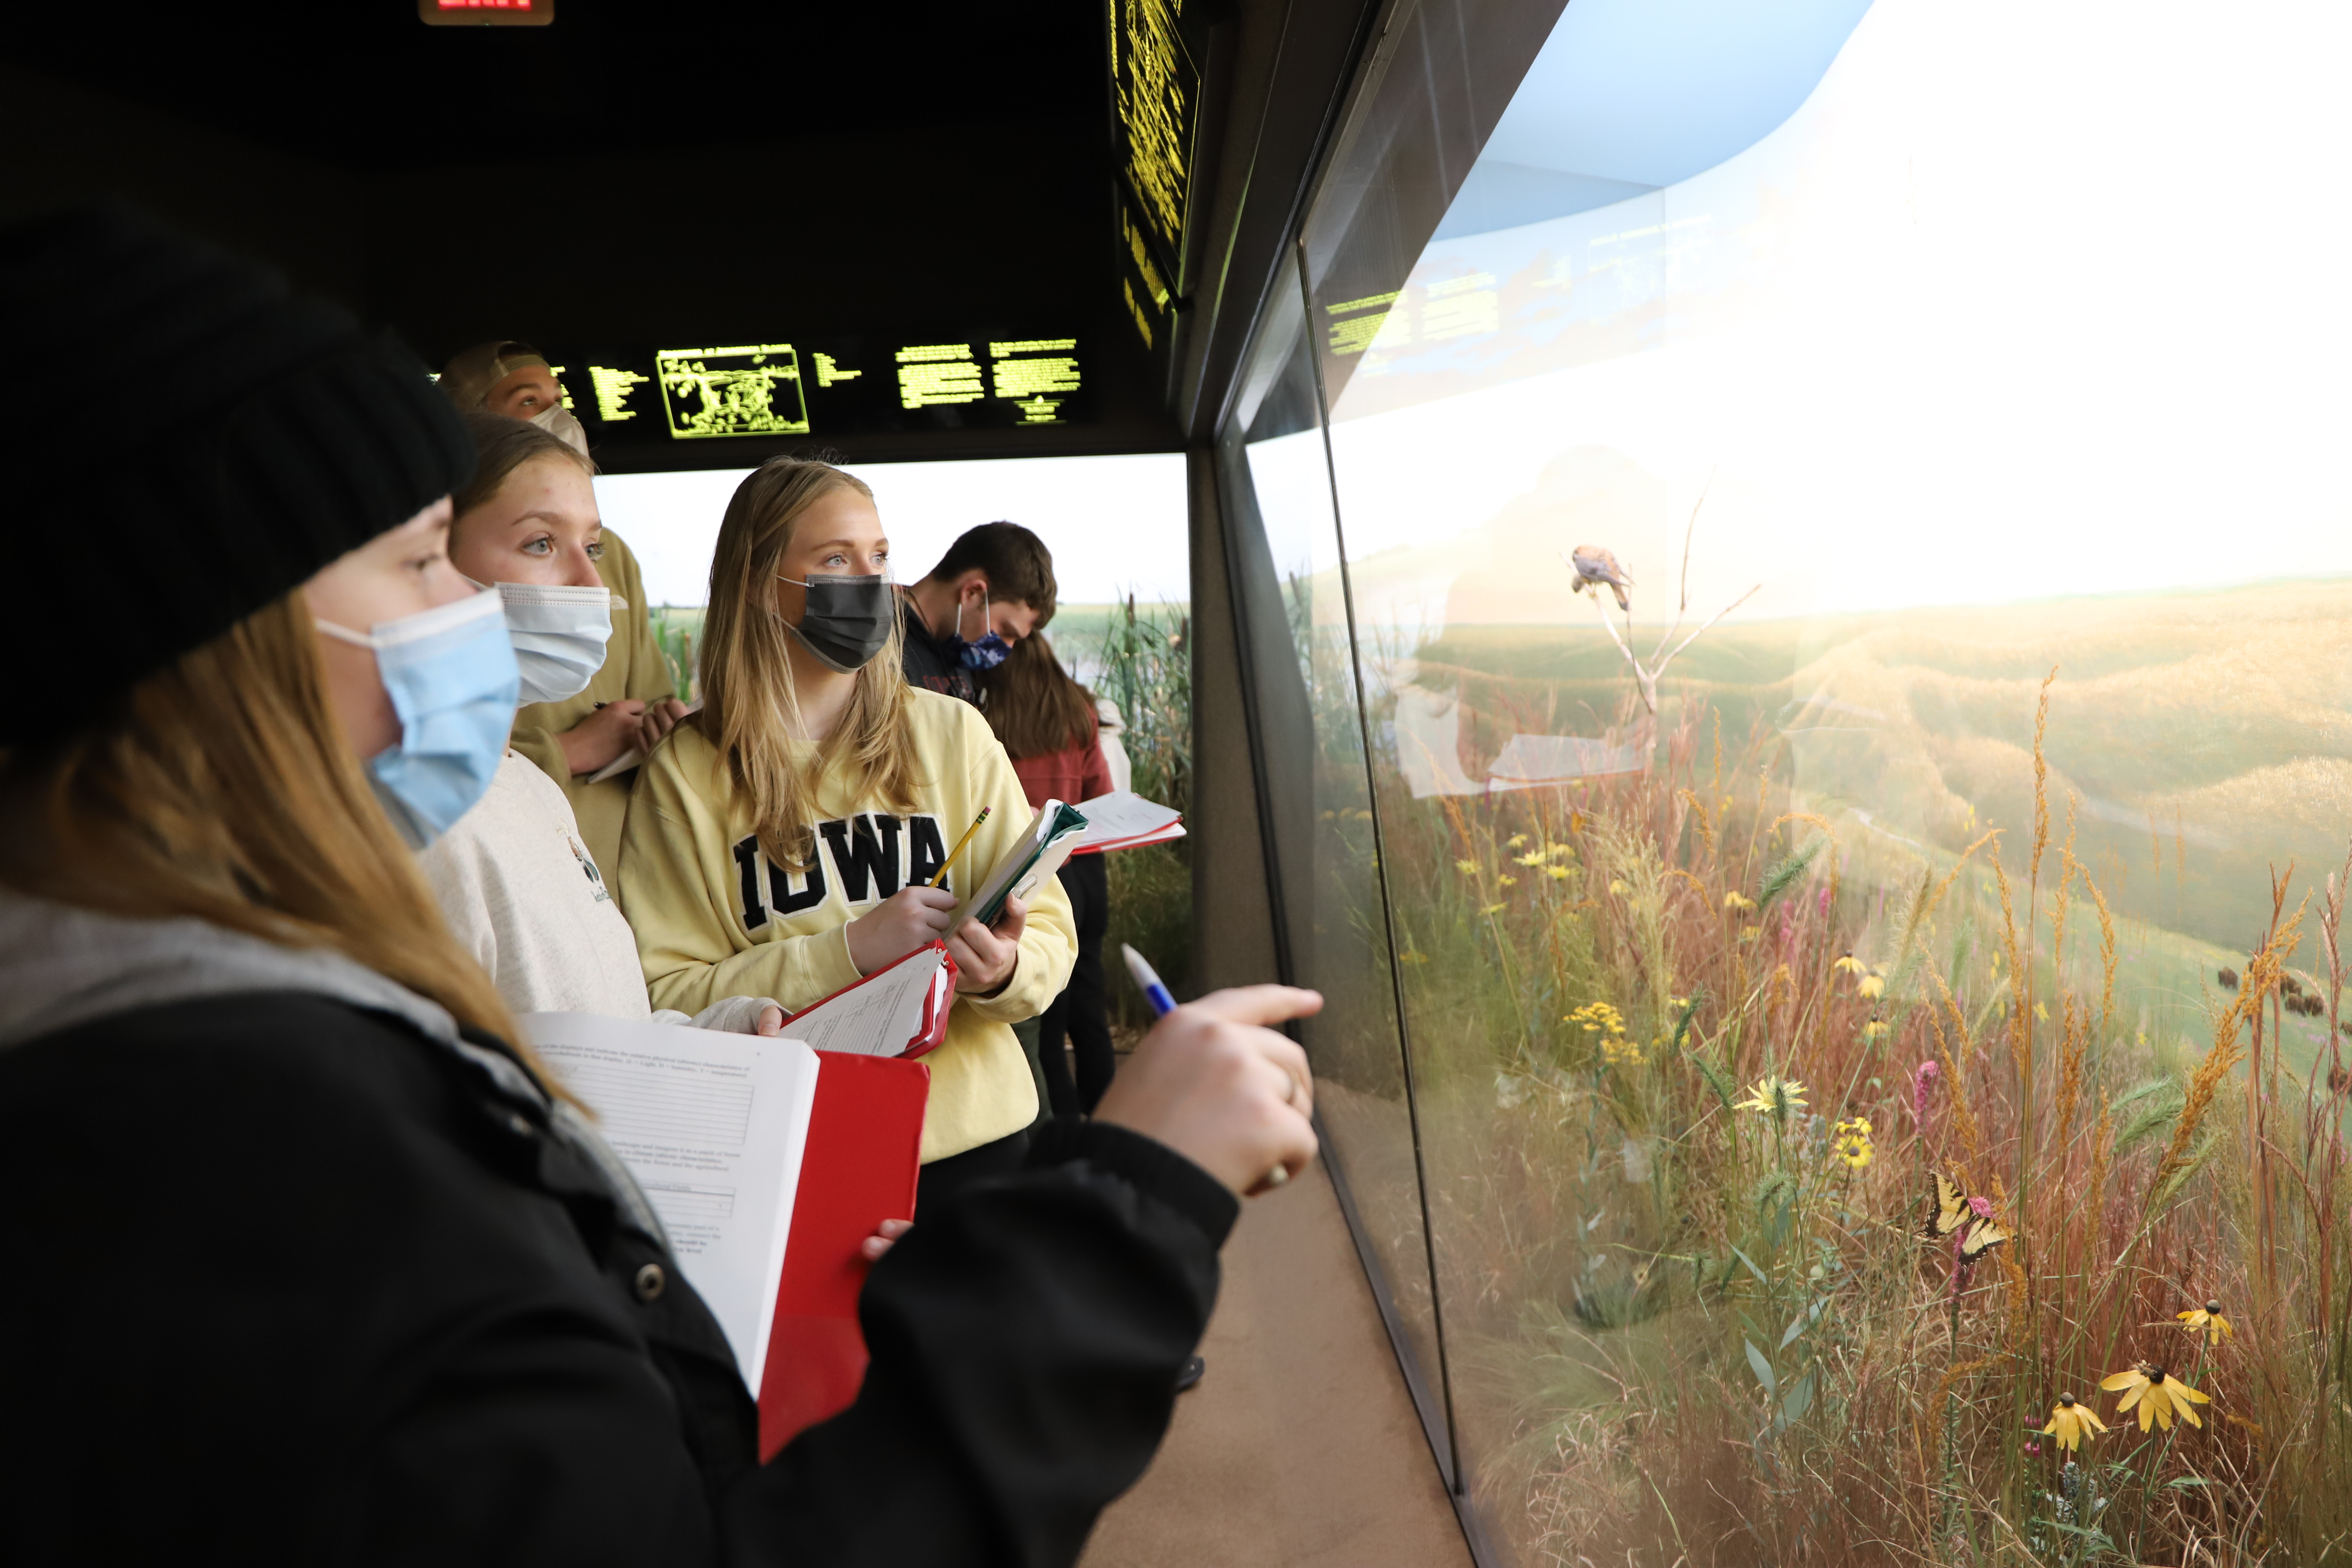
[486, 13]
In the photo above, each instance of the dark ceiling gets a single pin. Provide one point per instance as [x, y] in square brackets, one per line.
[366, 87]
[723, 172]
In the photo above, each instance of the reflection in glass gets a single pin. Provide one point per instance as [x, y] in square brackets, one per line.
[1317, 787]
[1718, 937]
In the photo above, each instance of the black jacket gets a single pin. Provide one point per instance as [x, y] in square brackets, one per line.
[293, 1282]
[935, 664]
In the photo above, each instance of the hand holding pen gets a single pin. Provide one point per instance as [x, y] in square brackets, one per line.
[1216, 1084]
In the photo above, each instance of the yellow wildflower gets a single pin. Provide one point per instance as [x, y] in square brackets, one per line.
[1870, 987]
[1558, 873]
[2040, 1012]
[2158, 1393]
[1737, 902]
[1491, 908]
[1515, 840]
[1851, 1145]
[2208, 1320]
[1620, 1052]
[1775, 1097]
[1532, 858]
[1506, 881]
[1873, 1031]
[1597, 1017]
[1618, 887]
[2070, 1423]
[1559, 851]
[1467, 868]
[1850, 965]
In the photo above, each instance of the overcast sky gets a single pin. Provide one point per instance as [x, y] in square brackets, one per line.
[2028, 299]
[1115, 525]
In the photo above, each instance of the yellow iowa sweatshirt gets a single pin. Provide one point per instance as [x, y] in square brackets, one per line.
[715, 918]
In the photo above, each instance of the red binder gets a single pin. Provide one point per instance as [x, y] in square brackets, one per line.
[865, 1137]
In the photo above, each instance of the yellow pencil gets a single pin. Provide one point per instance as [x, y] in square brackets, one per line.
[960, 844]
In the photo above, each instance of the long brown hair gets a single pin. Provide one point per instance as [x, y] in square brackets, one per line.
[750, 706]
[223, 787]
[1034, 706]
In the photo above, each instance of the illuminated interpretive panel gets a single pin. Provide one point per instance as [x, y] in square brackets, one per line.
[776, 387]
[1156, 99]
[750, 391]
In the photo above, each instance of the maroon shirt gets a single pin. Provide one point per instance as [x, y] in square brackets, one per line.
[1079, 774]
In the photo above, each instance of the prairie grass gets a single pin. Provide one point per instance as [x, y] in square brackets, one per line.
[1140, 658]
[1691, 1313]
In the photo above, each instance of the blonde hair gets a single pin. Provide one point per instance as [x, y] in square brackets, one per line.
[750, 706]
[223, 787]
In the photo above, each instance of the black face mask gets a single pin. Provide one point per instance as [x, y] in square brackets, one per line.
[848, 621]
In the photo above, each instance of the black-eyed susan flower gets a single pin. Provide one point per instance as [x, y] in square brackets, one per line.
[1737, 902]
[1506, 881]
[1774, 1097]
[1873, 1031]
[2070, 1423]
[1467, 868]
[1532, 858]
[1558, 873]
[2159, 1394]
[1850, 1144]
[1515, 840]
[1870, 988]
[1849, 964]
[2208, 1320]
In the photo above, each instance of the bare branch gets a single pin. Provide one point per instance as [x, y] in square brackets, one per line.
[1711, 620]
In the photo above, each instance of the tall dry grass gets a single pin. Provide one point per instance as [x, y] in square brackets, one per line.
[1684, 1332]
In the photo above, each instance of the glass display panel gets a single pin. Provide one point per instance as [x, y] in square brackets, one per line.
[1842, 516]
[1326, 840]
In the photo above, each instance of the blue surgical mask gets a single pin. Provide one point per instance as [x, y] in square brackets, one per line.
[450, 673]
[559, 636]
[987, 653]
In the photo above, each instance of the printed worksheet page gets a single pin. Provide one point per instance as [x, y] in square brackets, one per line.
[712, 1125]
[876, 1018]
[1123, 815]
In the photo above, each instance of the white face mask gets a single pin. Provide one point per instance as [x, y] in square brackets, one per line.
[559, 636]
[558, 422]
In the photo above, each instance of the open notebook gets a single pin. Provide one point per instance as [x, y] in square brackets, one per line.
[769, 1163]
[1036, 855]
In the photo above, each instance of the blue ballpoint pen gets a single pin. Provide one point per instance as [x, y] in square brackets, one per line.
[1148, 983]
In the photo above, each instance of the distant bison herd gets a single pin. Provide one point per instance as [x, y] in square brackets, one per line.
[2293, 997]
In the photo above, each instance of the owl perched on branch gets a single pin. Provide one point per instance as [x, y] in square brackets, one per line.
[1594, 564]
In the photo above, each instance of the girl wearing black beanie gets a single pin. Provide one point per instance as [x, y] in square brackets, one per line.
[313, 1264]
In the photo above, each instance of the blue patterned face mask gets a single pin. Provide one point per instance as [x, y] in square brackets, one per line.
[450, 673]
[985, 654]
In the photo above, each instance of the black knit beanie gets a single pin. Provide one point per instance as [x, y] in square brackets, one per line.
[181, 442]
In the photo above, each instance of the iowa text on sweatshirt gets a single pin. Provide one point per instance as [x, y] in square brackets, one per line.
[715, 918]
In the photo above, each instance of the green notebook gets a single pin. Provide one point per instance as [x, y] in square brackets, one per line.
[1036, 855]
